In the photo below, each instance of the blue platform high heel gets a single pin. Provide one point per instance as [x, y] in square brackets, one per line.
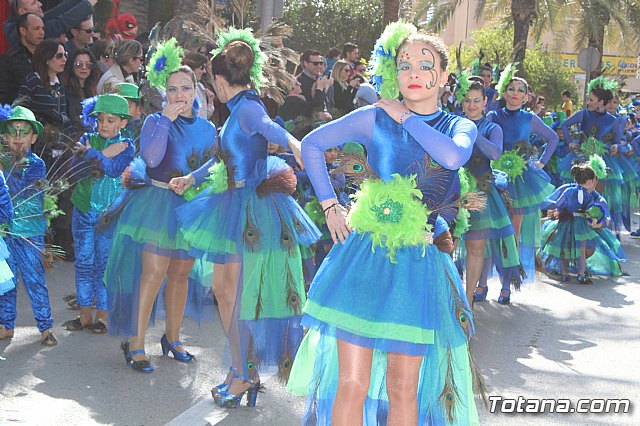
[224, 386]
[482, 295]
[171, 347]
[228, 400]
[143, 366]
[504, 299]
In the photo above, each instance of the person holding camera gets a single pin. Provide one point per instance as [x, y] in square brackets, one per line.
[313, 84]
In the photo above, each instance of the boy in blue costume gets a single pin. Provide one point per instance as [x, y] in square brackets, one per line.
[109, 153]
[25, 232]
[6, 213]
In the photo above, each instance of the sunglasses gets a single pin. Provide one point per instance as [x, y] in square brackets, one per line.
[80, 64]
[140, 58]
[87, 30]
[60, 55]
[316, 63]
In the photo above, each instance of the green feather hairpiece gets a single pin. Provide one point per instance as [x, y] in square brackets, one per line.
[166, 60]
[463, 86]
[602, 83]
[598, 165]
[259, 58]
[384, 58]
[505, 77]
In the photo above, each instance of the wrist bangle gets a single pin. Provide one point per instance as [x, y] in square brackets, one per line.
[327, 209]
[404, 114]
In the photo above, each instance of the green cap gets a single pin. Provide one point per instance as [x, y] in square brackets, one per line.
[561, 116]
[112, 104]
[353, 148]
[547, 120]
[21, 113]
[128, 91]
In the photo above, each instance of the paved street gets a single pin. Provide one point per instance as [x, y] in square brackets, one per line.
[554, 341]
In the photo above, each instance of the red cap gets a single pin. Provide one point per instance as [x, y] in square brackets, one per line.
[127, 22]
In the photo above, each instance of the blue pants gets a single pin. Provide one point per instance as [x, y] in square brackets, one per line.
[25, 259]
[92, 251]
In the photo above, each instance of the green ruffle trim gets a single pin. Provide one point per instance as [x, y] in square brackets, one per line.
[259, 58]
[392, 213]
[216, 182]
[370, 329]
[598, 165]
[166, 60]
[511, 163]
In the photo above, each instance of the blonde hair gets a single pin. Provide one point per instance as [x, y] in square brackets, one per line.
[336, 72]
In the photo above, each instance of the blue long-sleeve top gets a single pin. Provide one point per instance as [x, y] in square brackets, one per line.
[492, 104]
[99, 192]
[635, 144]
[600, 125]
[488, 147]
[27, 196]
[245, 137]
[176, 148]
[517, 127]
[393, 148]
[6, 206]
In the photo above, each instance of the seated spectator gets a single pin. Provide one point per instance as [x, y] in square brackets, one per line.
[57, 21]
[80, 80]
[17, 62]
[128, 60]
[342, 92]
[103, 52]
[81, 36]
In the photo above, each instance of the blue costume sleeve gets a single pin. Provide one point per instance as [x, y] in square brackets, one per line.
[545, 132]
[617, 137]
[451, 153]
[6, 206]
[574, 119]
[203, 171]
[635, 144]
[153, 139]
[112, 167]
[20, 183]
[354, 127]
[254, 119]
[492, 147]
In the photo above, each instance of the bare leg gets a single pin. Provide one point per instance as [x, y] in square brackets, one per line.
[225, 285]
[582, 261]
[154, 268]
[176, 297]
[86, 316]
[354, 372]
[516, 220]
[403, 375]
[474, 264]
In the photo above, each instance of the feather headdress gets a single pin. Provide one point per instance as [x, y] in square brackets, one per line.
[259, 58]
[166, 60]
[384, 58]
[505, 77]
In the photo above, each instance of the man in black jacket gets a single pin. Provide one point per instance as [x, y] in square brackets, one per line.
[57, 21]
[314, 86]
[15, 65]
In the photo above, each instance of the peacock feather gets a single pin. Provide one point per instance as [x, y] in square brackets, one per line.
[449, 395]
[593, 146]
[355, 166]
[251, 234]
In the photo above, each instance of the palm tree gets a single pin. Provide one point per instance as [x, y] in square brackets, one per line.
[524, 14]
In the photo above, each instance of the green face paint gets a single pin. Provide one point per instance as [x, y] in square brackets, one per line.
[19, 131]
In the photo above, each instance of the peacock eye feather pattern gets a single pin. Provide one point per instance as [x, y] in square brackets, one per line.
[449, 395]
[384, 58]
[355, 166]
[166, 60]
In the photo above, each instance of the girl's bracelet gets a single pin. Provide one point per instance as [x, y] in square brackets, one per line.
[327, 209]
[404, 114]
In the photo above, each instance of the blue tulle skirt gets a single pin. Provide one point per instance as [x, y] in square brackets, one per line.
[528, 191]
[414, 307]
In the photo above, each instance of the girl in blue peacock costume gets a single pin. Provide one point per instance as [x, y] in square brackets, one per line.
[528, 184]
[146, 245]
[489, 239]
[104, 155]
[579, 230]
[250, 227]
[600, 134]
[25, 229]
[401, 356]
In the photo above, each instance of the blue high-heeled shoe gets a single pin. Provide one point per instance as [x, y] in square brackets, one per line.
[171, 347]
[504, 300]
[224, 386]
[479, 297]
[584, 279]
[229, 400]
[143, 366]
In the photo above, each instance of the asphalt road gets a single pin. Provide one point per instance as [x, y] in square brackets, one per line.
[554, 341]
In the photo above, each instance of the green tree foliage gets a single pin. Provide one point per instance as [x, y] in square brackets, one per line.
[321, 24]
[543, 70]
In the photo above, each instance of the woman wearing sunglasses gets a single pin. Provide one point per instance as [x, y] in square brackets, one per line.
[42, 92]
[80, 79]
[128, 58]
